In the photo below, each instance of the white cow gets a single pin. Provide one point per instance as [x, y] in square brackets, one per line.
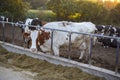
[61, 38]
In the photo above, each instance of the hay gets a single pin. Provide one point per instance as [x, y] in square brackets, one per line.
[45, 70]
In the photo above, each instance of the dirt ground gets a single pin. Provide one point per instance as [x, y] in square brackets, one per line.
[21, 67]
[12, 74]
[101, 57]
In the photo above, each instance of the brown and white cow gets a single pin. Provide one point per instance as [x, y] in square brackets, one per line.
[43, 39]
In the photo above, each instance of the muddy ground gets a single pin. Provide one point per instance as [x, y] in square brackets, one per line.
[101, 57]
[42, 69]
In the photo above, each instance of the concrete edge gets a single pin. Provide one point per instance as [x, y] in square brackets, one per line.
[101, 72]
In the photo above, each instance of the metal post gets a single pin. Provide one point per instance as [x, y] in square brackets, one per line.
[90, 52]
[52, 40]
[3, 26]
[117, 58]
[23, 37]
[24, 43]
[13, 33]
[69, 47]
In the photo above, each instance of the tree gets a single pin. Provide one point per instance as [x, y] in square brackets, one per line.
[114, 16]
[62, 8]
[13, 8]
[78, 10]
[37, 4]
[92, 12]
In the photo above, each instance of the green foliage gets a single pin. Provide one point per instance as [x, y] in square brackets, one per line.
[37, 4]
[31, 15]
[91, 11]
[114, 16]
[62, 8]
[70, 10]
[46, 15]
[13, 8]
[78, 10]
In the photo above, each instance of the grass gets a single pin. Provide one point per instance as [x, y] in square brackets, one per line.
[41, 14]
[40, 11]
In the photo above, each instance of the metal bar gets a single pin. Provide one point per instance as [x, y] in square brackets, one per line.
[13, 33]
[17, 23]
[97, 35]
[117, 57]
[52, 40]
[90, 52]
[69, 47]
[3, 31]
[24, 43]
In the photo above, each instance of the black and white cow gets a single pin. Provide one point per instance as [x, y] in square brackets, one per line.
[3, 18]
[102, 30]
[24, 25]
[34, 22]
[109, 42]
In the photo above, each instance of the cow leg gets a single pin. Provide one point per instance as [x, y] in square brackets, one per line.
[44, 48]
[94, 40]
[56, 50]
[81, 55]
[82, 48]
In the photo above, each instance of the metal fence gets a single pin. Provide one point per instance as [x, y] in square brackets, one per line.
[69, 47]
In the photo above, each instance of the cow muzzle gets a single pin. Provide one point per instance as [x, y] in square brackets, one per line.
[33, 49]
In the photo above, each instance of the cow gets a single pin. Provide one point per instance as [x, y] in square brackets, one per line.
[112, 32]
[34, 22]
[30, 25]
[20, 24]
[103, 30]
[110, 42]
[43, 38]
[27, 23]
[26, 39]
[3, 18]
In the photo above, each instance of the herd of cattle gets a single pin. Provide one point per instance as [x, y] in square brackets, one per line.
[39, 37]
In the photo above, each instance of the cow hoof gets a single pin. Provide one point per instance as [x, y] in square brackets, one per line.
[80, 60]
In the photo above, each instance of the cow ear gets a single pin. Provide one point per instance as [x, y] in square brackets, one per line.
[26, 34]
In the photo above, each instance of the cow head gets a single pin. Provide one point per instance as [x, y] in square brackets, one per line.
[37, 37]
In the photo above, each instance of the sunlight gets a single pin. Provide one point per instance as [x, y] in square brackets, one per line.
[110, 0]
[117, 1]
